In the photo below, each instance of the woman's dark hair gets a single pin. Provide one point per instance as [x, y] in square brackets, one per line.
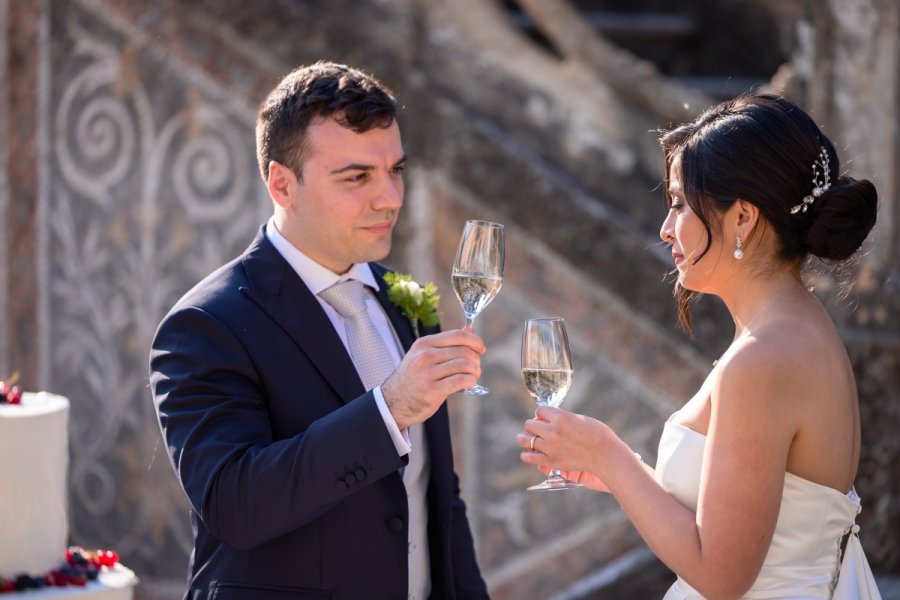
[761, 148]
[325, 89]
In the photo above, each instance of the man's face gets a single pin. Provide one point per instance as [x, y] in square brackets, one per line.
[344, 207]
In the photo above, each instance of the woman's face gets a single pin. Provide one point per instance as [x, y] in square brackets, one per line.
[685, 232]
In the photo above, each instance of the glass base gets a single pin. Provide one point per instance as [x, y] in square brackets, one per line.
[554, 483]
[475, 390]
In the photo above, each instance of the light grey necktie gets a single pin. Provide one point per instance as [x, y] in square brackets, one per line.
[367, 348]
[374, 364]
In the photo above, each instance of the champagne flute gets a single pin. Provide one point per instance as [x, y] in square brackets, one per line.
[547, 373]
[478, 273]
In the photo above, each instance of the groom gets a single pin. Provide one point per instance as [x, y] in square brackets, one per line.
[306, 425]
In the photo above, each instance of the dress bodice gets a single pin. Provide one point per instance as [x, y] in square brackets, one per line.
[803, 559]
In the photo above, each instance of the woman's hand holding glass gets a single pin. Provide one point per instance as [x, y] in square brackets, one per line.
[547, 374]
[562, 439]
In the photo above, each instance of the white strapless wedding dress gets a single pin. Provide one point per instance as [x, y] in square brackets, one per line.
[803, 562]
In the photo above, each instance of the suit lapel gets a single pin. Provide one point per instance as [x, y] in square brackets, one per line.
[398, 320]
[279, 291]
[437, 427]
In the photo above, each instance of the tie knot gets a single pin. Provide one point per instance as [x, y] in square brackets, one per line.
[348, 297]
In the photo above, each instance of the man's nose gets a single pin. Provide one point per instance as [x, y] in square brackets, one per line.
[390, 194]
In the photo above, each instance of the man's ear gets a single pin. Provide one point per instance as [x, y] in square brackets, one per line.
[282, 184]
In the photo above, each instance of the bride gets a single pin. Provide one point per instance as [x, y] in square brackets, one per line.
[752, 495]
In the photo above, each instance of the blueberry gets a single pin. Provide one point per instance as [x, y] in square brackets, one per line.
[23, 582]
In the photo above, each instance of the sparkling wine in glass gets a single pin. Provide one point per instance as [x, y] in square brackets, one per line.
[547, 374]
[478, 273]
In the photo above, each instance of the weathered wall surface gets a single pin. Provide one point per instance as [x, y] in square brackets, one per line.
[128, 172]
[845, 68]
[143, 182]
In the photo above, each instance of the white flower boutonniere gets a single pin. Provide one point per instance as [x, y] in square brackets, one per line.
[419, 304]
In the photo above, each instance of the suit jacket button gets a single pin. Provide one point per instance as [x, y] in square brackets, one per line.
[360, 474]
[350, 478]
[395, 524]
[341, 486]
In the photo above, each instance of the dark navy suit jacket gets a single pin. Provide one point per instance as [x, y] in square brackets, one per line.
[291, 474]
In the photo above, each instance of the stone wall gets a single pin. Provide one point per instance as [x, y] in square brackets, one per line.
[128, 172]
[844, 68]
[133, 177]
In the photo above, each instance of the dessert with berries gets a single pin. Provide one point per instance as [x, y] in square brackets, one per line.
[34, 460]
[83, 575]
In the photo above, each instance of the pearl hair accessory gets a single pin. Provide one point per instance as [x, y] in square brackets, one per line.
[739, 251]
[819, 187]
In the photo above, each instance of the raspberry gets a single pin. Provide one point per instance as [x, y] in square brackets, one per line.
[107, 558]
[59, 579]
[14, 396]
[8, 391]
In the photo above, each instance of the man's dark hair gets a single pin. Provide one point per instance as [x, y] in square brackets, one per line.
[325, 89]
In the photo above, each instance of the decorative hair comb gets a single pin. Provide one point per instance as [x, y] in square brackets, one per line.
[819, 187]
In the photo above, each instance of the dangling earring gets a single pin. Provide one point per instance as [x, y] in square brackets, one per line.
[739, 250]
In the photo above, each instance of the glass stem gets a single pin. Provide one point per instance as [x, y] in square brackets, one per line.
[554, 473]
[470, 324]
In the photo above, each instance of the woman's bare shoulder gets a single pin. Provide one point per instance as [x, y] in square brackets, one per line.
[787, 366]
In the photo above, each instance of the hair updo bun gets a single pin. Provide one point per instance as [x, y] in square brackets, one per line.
[841, 219]
[765, 150]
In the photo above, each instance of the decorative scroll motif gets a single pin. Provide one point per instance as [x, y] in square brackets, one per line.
[150, 186]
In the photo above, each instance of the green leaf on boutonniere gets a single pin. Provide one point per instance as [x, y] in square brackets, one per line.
[419, 304]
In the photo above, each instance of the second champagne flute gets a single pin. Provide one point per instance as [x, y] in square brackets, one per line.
[547, 374]
[478, 273]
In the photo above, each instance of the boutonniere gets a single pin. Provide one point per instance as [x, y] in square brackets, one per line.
[419, 304]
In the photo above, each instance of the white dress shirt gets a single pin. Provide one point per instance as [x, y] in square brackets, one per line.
[416, 475]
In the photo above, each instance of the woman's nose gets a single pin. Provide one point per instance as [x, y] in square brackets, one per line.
[666, 232]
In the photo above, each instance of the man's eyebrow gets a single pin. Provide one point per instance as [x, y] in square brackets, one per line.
[362, 167]
[353, 167]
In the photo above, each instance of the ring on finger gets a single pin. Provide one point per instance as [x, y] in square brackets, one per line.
[531, 443]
